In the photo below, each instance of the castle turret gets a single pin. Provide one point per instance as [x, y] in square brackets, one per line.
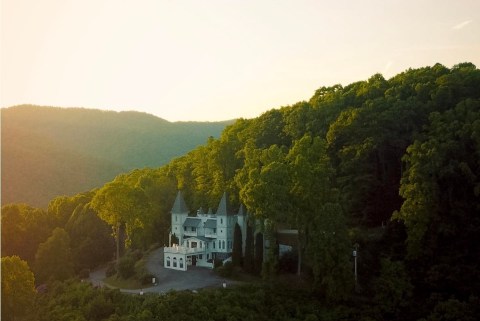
[224, 225]
[179, 214]
[242, 222]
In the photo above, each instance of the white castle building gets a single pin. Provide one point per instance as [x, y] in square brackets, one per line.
[204, 237]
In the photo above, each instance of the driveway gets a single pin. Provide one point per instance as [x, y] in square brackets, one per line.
[168, 279]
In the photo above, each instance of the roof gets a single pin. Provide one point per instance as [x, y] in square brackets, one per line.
[192, 222]
[180, 206]
[210, 223]
[224, 205]
[201, 238]
[241, 210]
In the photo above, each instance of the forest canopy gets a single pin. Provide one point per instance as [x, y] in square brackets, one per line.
[387, 166]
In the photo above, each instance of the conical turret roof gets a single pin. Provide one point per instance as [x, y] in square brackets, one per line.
[224, 205]
[241, 210]
[180, 206]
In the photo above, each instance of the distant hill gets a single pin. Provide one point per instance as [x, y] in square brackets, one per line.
[50, 151]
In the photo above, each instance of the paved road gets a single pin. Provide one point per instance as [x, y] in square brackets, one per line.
[168, 279]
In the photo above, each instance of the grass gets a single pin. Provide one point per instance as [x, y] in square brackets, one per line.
[117, 282]
[134, 282]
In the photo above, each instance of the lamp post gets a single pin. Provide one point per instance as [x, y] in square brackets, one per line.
[355, 253]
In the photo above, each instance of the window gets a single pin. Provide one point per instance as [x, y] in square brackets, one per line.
[194, 245]
[219, 244]
[223, 245]
[200, 257]
[181, 263]
[214, 244]
[188, 243]
[193, 229]
[185, 228]
[208, 256]
[221, 221]
[214, 231]
[201, 244]
[174, 262]
[168, 260]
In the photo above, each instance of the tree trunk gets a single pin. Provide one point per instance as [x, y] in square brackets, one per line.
[299, 264]
[117, 243]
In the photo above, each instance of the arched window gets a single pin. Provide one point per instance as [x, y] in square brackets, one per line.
[181, 263]
[168, 260]
[223, 245]
[219, 244]
[174, 262]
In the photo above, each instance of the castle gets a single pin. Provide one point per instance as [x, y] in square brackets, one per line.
[204, 237]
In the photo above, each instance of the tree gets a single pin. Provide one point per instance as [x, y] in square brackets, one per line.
[237, 246]
[329, 251]
[91, 240]
[122, 207]
[53, 259]
[18, 289]
[258, 262]
[440, 211]
[248, 263]
[393, 289]
[264, 183]
[23, 229]
[310, 186]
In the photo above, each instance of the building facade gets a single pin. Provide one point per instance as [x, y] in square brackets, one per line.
[204, 237]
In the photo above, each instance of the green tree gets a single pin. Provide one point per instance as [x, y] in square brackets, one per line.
[121, 206]
[440, 211]
[23, 229]
[53, 259]
[310, 186]
[91, 240]
[237, 246]
[264, 190]
[258, 259]
[248, 264]
[393, 290]
[18, 289]
[329, 252]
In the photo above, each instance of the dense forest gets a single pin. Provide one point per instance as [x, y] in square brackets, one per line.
[49, 151]
[390, 167]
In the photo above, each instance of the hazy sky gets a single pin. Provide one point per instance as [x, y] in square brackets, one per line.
[217, 60]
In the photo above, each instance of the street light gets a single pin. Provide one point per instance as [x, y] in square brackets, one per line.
[355, 253]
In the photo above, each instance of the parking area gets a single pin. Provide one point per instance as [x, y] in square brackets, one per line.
[168, 279]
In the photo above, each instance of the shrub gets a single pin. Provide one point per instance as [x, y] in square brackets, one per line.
[217, 263]
[84, 274]
[111, 270]
[146, 278]
[126, 267]
[288, 262]
[226, 270]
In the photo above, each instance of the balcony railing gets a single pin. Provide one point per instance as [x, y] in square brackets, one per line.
[190, 233]
[210, 234]
[183, 250]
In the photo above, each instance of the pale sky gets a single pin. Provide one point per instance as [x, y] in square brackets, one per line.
[216, 60]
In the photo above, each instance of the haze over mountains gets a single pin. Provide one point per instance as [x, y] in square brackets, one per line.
[50, 151]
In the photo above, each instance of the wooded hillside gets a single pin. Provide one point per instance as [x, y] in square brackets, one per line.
[389, 167]
[48, 152]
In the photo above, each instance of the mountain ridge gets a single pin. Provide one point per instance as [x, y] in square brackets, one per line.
[51, 151]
